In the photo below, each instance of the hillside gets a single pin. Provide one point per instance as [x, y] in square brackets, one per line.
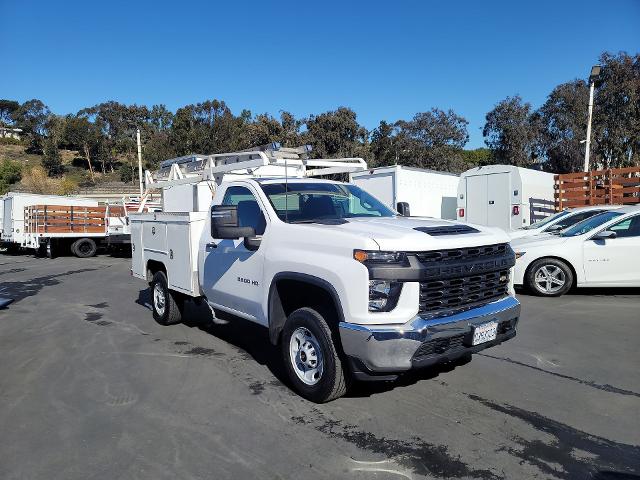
[22, 171]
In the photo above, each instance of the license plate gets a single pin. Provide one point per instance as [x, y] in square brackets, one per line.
[484, 333]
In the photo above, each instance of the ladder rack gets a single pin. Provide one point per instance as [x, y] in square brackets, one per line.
[265, 161]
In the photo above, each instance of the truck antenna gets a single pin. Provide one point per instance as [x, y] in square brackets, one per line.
[286, 191]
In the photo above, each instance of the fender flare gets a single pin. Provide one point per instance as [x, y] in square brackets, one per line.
[276, 316]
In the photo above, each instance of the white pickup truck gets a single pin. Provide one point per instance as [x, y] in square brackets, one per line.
[346, 286]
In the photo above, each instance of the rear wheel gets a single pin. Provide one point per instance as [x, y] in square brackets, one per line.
[310, 357]
[84, 248]
[167, 305]
[549, 277]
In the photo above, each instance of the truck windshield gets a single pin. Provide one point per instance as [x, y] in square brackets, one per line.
[589, 224]
[309, 202]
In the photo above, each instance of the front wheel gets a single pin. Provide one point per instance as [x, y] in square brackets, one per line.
[167, 305]
[549, 277]
[310, 357]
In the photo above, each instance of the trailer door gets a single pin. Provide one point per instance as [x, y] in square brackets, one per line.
[7, 223]
[477, 199]
[498, 201]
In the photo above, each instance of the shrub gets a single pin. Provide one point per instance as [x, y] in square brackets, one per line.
[10, 173]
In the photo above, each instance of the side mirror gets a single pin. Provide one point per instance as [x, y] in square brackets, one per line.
[604, 235]
[252, 242]
[403, 209]
[555, 228]
[224, 223]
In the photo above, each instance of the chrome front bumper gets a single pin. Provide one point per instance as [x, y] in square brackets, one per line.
[383, 349]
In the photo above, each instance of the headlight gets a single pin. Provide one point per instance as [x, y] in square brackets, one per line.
[519, 254]
[375, 256]
[383, 295]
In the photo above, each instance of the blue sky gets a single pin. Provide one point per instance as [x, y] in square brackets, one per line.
[386, 60]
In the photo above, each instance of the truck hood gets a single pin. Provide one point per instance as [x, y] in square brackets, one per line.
[400, 234]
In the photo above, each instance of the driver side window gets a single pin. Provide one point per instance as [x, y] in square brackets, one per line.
[249, 212]
[629, 227]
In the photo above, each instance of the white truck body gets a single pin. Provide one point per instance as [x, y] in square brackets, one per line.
[2, 198]
[14, 205]
[505, 196]
[397, 292]
[429, 193]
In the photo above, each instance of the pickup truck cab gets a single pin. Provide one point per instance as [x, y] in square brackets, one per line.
[347, 287]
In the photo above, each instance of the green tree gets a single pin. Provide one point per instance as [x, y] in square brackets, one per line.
[51, 160]
[512, 133]
[10, 173]
[616, 117]
[8, 109]
[86, 137]
[477, 157]
[564, 122]
[336, 134]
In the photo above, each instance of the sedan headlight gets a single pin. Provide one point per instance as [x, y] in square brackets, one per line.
[383, 295]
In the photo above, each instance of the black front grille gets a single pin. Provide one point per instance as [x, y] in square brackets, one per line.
[452, 295]
[469, 253]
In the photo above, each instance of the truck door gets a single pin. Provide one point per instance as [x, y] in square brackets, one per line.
[477, 199]
[499, 201]
[232, 277]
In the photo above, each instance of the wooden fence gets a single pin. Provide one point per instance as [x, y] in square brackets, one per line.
[614, 186]
[64, 219]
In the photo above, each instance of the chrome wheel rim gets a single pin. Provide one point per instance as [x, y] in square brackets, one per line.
[550, 279]
[306, 356]
[159, 299]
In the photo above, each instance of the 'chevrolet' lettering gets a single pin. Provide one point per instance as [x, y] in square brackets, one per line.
[468, 268]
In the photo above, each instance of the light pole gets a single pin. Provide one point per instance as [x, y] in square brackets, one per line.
[140, 161]
[595, 73]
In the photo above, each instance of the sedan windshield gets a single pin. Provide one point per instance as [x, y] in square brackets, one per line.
[589, 224]
[299, 202]
[546, 221]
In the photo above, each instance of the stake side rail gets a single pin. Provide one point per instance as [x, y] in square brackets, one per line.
[65, 220]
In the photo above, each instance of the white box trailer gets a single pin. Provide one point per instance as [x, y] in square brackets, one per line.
[13, 231]
[1, 214]
[505, 196]
[429, 193]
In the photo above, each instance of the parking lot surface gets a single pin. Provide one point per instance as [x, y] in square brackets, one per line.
[91, 387]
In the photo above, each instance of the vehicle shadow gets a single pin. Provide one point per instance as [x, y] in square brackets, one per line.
[591, 292]
[252, 341]
[367, 389]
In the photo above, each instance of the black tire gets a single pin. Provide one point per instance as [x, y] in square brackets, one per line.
[332, 382]
[562, 272]
[84, 248]
[173, 302]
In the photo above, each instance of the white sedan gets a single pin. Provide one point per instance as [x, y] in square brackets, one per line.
[601, 251]
[560, 221]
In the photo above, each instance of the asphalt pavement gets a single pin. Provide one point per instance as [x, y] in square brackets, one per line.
[92, 388]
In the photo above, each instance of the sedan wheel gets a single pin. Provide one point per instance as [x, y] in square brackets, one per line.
[549, 277]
